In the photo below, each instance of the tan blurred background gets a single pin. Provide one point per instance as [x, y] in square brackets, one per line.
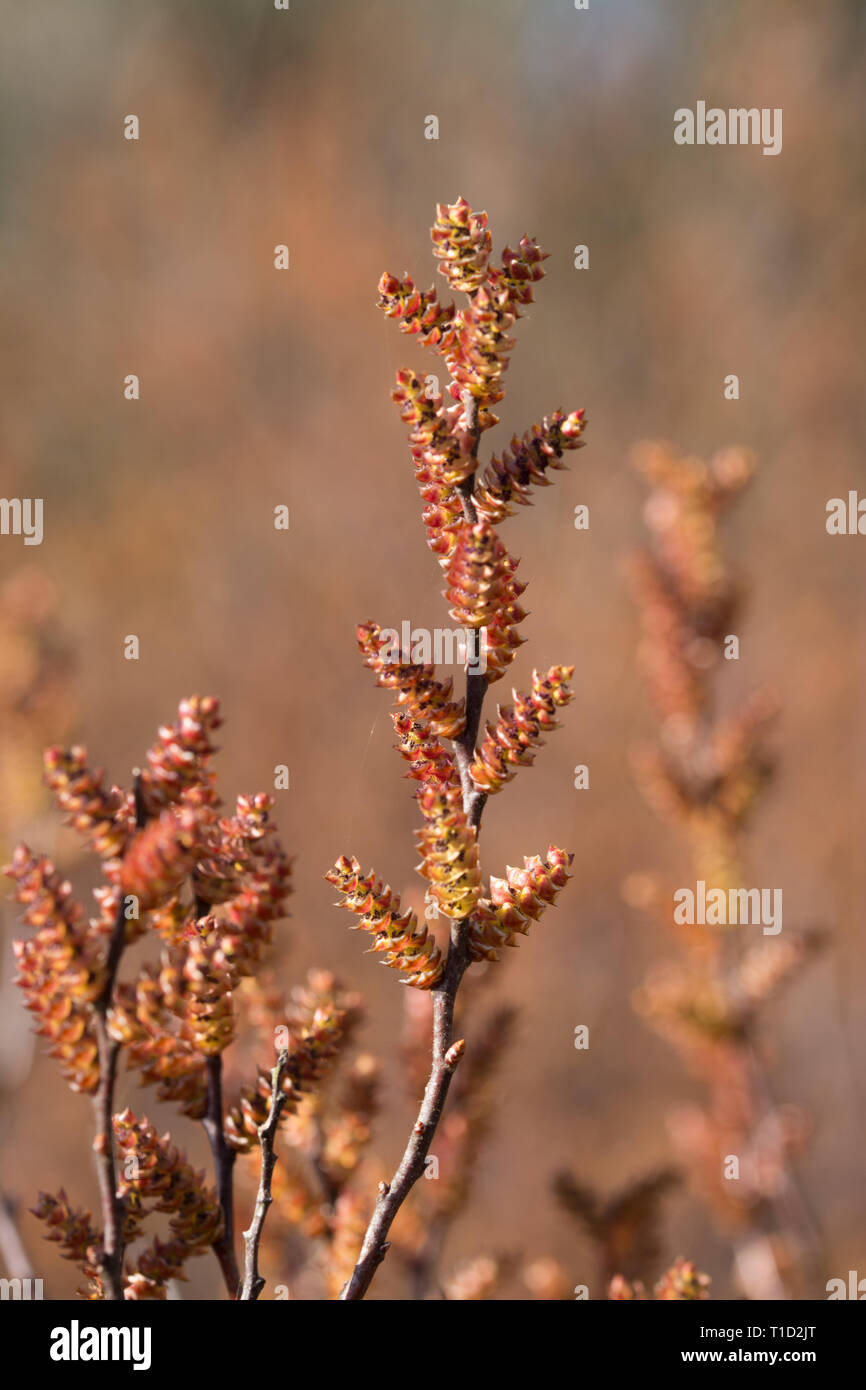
[258, 388]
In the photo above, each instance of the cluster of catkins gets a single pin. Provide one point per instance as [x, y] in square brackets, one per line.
[462, 504]
[208, 888]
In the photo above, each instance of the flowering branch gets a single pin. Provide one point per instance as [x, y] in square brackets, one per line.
[208, 888]
[444, 441]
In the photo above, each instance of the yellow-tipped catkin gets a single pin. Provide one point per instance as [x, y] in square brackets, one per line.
[461, 241]
[514, 739]
[406, 942]
[515, 901]
[449, 852]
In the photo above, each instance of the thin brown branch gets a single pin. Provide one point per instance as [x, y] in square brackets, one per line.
[111, 1270]
[253, 1281]
[446, 1055]
[224, 1162]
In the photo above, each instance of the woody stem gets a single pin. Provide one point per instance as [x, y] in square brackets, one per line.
[224, 1162]
[446, 1055]
[111, 1269]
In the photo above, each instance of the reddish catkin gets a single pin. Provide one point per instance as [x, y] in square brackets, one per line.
[462, 242]
[180, 758]
[512, 742]
[71, 1229]
[482, 352]
[442, 514]
[520, 270]
[419, 311]
[432, 436]
[105, 818]
[61, 969]
[480, 355]
[416, 685]
[208, 1003]
[153, 1170]
[516, 901]
[160, 857]
[503, 639]
[406, 942]
[230, 848]
[427, 756]
[248, 925]
[144, 1020]
[507, 481]
[440, 459]
[478, 573]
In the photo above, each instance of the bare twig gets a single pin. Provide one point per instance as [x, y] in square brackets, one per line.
[253, 1281]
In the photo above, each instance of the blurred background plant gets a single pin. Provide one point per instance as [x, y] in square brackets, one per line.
[705, 777]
